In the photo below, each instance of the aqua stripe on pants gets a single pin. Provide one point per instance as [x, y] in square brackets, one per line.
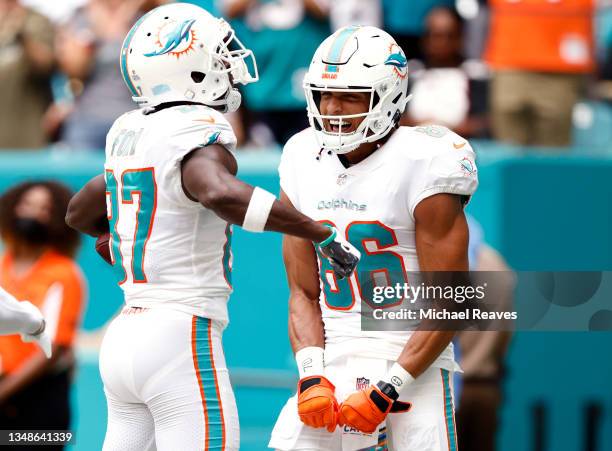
[449, 414]
[209, 388]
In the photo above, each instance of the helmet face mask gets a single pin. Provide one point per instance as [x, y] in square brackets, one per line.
[357, 59]
[232, 56]
[181, 52]
[370, 129]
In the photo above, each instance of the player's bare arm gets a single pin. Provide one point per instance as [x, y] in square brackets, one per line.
[317, 404]
[208, 176]
[305, 322]
[87, 209]
[441, 243]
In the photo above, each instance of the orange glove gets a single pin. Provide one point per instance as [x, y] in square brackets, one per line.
[366, 409]
[317, 405]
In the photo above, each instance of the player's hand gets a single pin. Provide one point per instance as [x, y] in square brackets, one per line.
[366, 409]
[40, 336]
[341, 254]
[317, 405]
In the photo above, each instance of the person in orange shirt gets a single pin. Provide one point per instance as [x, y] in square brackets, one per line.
[540, 52]
[38, 266]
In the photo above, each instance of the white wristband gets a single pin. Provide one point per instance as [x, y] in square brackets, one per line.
[310, 361]
[398, 377]
[258, 210]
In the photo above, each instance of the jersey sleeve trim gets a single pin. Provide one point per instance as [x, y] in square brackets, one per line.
[439, 189]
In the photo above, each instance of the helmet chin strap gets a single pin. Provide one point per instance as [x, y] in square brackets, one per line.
[228, 103]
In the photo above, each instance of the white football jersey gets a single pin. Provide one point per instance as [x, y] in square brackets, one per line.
[372, 205]
[167, 249]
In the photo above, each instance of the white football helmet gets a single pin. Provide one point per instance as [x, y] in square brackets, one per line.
[179, 52]
[358, 59]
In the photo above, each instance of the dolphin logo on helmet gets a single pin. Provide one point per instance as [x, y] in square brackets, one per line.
[181, 32]
[397, 60]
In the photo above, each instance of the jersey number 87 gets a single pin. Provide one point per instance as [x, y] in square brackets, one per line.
[132, 182]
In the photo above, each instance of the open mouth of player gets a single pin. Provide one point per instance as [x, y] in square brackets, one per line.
[338, 126]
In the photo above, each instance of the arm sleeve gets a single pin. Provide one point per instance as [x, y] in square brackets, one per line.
[186, 139]
[17, 317]
[449, 170]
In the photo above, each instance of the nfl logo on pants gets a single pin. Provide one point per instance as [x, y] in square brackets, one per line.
[362, 383]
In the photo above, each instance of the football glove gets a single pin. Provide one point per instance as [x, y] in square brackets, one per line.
[317, 405]
[366, 409]
[341, 254]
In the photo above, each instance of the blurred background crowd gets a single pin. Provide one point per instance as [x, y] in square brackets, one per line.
[531, 72]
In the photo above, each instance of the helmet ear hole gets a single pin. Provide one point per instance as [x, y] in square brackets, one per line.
[198, 77]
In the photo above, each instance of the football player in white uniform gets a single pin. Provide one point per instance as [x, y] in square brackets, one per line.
[397, 194]
[161, 361]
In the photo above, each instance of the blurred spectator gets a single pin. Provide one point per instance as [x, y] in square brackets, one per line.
[284, 35]
[483, 352]
[476, 16]
[405, 21]
[57, 12]
[540, 51]
[88, 53]
[26, 65]
[38, 266]
[605, 48]
[343, 13]
[445, 89]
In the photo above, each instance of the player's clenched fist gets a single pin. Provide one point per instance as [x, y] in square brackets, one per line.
[317, 405]
[366, 409]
